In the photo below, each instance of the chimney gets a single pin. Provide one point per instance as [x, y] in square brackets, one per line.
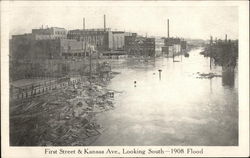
[168, 28]
[83, 24]
[226, 38]
[104, 22]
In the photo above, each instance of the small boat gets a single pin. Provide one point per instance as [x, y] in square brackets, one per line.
[186, 55]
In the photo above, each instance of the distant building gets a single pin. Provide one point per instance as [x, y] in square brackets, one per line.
[183, 45]
[28, 49]
[131, 45]
[140, 46]
[148, 47]
[171, 41]
[173, 46]
[118, 40]
[159, 43]
[100, 38]
[50, 33]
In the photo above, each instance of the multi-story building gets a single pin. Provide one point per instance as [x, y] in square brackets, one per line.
[118, 40]
[140, 46]
[173, 46]
[100, 38]
[39, 57]
[49, 33]
[131, 45]
[48, 49]
[159, 43]
[148, 47]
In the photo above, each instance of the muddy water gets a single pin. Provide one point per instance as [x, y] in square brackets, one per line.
[174, 108]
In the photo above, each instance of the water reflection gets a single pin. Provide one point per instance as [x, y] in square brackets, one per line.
[228, 76]
[179, 109]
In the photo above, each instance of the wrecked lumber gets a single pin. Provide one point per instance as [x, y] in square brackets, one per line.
[62, 117]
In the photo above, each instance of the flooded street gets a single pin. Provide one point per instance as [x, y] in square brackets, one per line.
[176, 108]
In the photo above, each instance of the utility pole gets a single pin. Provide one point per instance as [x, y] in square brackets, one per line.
[160, 74]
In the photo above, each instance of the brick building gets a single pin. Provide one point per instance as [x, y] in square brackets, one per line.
[25, 48]
[49, 33]
[100, 38]
[140, 46]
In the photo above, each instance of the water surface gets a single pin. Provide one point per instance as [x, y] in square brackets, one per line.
[175, 108]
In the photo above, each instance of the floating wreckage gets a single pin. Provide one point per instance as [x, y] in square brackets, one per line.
[207, 75]
[186, 55]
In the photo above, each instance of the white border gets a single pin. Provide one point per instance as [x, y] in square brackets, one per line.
[214, 151]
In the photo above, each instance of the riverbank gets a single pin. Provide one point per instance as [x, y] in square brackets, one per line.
[60, 117]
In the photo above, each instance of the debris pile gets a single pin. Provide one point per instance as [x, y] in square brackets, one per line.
[63, 117]
[207, 75]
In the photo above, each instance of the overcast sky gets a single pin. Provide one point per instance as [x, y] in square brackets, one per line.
[187, 22]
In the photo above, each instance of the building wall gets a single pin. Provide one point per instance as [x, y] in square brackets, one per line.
[159, 43]
[110, 40]
[73, 48]
[118, 40]
[97, 37]
[140, 46]
[50, 33]
[25, 48]
[34, 49]
[183, 45]
[171, 50]
[171, 41]
[131, 45]
[149, 47]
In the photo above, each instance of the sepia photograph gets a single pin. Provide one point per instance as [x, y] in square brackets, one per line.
[123, 74]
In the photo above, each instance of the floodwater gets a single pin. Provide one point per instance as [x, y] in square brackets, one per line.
[174, 108]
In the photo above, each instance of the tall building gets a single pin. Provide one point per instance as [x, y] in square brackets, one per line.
[159, 43]
[118, 40]
[100, 38]
[49, 33]
[140, 46]
[173, 46]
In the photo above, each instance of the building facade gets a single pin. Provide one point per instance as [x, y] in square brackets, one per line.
[50, 33]
[173, 46]
[100, 38]
[48, 49]
[140, 46]
[159, 43]
[118, 40]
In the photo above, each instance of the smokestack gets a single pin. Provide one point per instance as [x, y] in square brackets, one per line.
[168, 28]
[104, 22]
[226, 38]
[83, 24]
